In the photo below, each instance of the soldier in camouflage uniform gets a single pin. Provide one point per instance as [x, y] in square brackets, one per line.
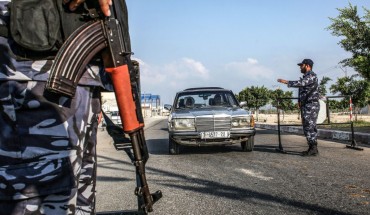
[47, 142]
[309, 103]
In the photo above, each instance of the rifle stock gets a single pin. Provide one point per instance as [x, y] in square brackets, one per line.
[105, 36]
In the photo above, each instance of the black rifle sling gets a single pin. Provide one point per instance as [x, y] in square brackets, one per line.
[4, 31]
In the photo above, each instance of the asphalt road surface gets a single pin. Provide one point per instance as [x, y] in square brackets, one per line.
[225, 180]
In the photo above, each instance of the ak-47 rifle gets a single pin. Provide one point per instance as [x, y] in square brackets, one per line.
[105, 35]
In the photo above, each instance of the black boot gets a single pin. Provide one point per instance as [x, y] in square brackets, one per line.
[304, 153]
[312, 151]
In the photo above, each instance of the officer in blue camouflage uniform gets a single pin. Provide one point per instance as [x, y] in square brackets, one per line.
[47, 142]
[309, 103]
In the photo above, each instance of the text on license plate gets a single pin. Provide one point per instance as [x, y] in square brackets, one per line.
[214, 134]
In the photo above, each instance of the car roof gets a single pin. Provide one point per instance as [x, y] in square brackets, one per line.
[204, 88]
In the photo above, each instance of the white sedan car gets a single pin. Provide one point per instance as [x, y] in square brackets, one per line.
[209, 116]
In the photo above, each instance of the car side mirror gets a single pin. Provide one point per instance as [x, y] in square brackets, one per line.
[242, 104]
[167, 107]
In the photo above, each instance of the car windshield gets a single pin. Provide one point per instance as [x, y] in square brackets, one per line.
[114, 113]
[200, 99]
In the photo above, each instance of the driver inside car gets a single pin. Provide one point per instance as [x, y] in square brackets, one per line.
[217, 99]
[189, 102]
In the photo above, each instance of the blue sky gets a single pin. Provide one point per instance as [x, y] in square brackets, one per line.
[232, 43]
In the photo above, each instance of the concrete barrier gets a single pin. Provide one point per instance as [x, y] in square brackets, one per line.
[322, 133]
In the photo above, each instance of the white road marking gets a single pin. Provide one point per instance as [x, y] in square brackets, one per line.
[256, 174]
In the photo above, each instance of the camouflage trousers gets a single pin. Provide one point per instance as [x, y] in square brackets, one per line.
[47, 149]
[309, 113]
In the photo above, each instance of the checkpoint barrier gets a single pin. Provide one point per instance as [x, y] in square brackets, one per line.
[353, 144]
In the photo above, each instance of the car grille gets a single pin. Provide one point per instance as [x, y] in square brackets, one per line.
[213, 123]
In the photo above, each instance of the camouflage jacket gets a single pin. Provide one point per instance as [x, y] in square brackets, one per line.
[42, 138]
[308, 88]
[27, 70]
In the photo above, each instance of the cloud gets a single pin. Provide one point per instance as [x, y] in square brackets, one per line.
[196, 67]
[165, 80]
[150, 74]
[246, 73]
[186, 68]
[250, 69]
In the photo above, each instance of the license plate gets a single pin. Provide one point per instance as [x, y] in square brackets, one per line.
[214, 134]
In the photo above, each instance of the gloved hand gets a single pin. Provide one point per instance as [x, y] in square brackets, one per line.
[104, 5]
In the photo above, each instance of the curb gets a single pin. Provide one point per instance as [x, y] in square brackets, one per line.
[322, 133]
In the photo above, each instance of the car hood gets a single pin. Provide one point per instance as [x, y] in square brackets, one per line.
[230, 111]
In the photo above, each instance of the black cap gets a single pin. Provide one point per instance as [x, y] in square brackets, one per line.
[306, 61]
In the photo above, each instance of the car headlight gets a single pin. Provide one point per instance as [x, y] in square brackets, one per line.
[240, 122]
[183, 124]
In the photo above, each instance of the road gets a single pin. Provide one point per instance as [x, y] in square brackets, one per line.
[225, 180]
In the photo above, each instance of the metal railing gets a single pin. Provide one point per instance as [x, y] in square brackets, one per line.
[353, 141]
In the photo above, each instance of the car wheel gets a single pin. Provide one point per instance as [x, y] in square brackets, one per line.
[247, 146]
[174, 148]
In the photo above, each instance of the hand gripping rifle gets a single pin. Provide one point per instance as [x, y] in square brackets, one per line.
[104, 35]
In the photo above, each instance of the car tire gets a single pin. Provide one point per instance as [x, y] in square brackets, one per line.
[247, 146]
[174, 148]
